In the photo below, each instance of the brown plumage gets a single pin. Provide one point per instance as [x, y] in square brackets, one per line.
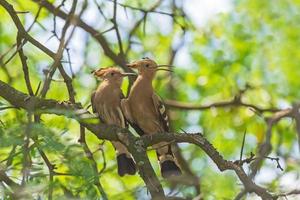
[146, 112]
[106, 103]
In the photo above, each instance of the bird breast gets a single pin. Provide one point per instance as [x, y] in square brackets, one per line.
[108, 107]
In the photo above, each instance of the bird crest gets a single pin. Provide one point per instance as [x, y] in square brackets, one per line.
[104, 71]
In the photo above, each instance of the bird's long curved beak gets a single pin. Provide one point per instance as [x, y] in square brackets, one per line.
[165, 66]
[163, 69]
[128, 74]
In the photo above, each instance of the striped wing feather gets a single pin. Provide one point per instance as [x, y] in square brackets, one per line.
[162, 112]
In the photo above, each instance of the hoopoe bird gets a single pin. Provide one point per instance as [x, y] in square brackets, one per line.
[106, 103]
[146, 113]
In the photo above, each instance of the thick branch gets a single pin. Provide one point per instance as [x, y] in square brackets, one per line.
[231, 103]
[4, 178]
[44, 106]
[135, 145]
[222, 164]
[16, 188]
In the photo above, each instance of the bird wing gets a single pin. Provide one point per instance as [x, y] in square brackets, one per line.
[121, 111]
[93, 102]
[127, 113]
[126, 110]
[161, 111]
[94, 107]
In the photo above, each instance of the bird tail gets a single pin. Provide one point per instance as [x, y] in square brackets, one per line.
[168, 166]
[126, 165]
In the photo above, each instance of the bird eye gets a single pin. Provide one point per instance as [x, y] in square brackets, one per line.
[112, 74]
[147, 65]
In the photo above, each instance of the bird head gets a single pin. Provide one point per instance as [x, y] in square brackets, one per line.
[147, 67]
[111, 74]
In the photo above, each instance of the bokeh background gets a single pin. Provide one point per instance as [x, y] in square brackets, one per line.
[220, 49]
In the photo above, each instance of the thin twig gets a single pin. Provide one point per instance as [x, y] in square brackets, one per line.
[144, 10]
[57, 58]
[23, 59]
[51, 168]
[243, 144]
[114, 21]
[90, 156]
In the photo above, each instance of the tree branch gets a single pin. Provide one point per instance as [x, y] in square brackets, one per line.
[94, 33]
[4, 178]
[90, 156]
[119, 59]
[102, 131]
[136, 145]
[266, 147]
[23, 59]
[58, 56]
[221, 104]
[24, 34]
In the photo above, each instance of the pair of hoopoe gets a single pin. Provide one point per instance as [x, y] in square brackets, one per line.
[143, 110]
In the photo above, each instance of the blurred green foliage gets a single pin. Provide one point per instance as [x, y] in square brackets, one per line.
[255, 43]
